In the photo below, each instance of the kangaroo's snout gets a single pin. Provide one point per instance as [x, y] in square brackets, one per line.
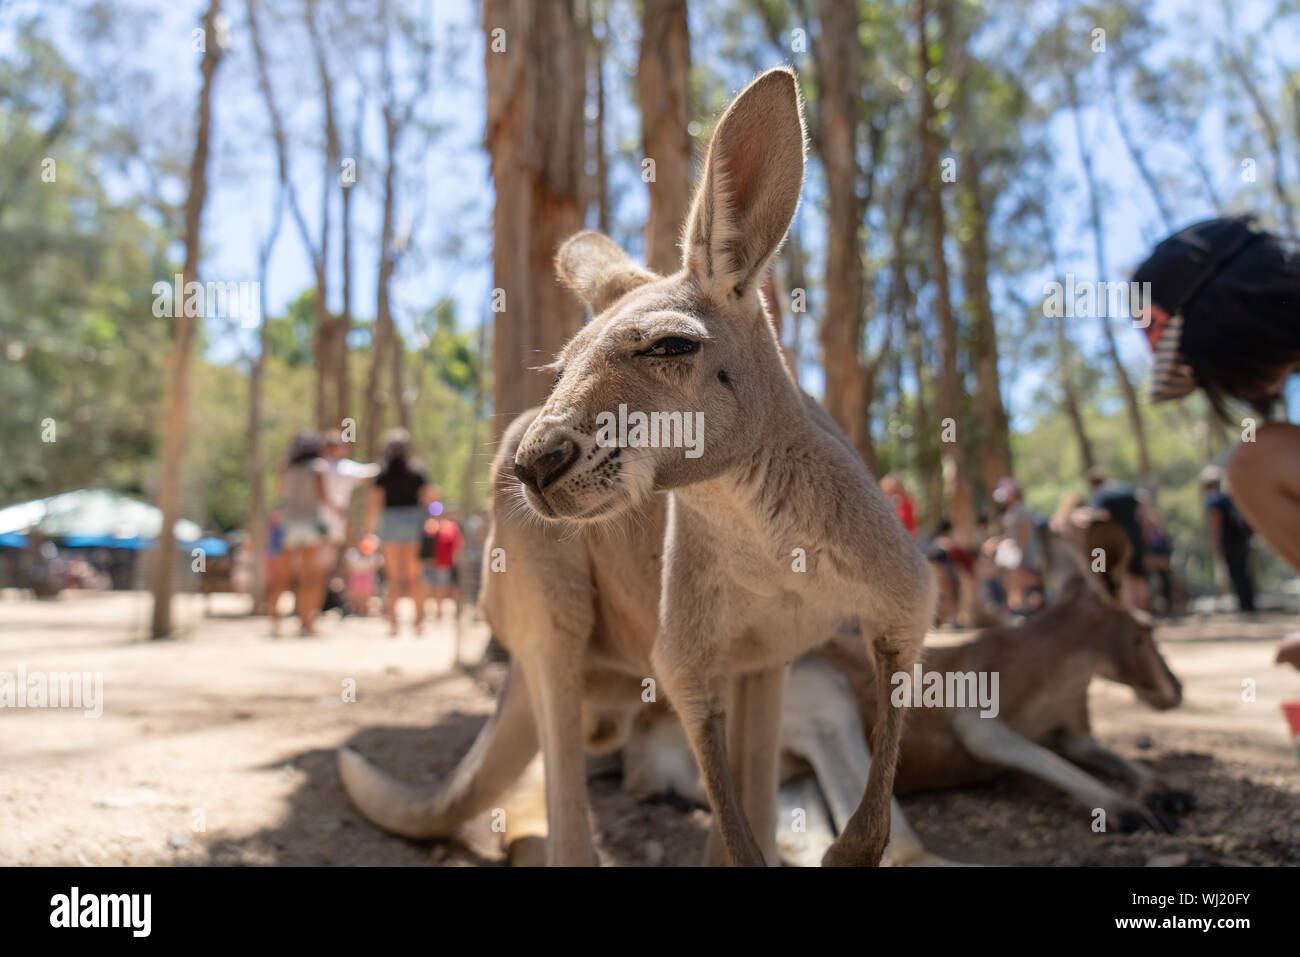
[538, 470]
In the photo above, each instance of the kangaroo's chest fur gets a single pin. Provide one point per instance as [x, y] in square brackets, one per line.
[786, 546]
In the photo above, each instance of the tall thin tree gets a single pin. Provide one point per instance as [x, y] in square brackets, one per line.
[663, 87]
[958, 492]
[181, 358]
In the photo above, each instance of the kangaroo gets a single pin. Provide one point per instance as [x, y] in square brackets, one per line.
[1041, 727]
[773, 530]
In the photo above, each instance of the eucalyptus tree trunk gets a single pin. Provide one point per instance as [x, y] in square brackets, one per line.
[181, 358]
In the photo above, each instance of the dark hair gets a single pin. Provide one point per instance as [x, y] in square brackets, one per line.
[397, 452]
[1241, 333]
[306, 445]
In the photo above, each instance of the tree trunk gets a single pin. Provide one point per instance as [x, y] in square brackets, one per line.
[1134, 151]
[1272, 134]
[534, 134]
[331, 337]
[598, 190]
[401, 398]
[343, 321]
[663, 86]
[1065, 355]
[924, 437]
[256, 377]
[990, 413]
[474, 462]
[180, 360]
[958, 493]
[383, 337]
[838, 55]
[1131, 404]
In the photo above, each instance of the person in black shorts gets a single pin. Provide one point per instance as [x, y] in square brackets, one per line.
[1118, 501]
[398, 501]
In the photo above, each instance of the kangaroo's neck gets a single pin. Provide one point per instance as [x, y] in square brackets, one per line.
[777, 483]
[779, 402]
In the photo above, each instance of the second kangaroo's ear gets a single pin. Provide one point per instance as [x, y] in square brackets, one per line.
[1110, 538]
[749, 189]
[598, 270]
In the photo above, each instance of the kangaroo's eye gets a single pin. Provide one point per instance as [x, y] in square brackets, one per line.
[671, 346]
[556, 380]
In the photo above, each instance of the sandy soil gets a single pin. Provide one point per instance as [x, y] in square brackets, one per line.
[218, 749]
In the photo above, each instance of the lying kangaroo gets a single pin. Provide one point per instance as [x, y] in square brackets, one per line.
[769, 538]
[1045, 666]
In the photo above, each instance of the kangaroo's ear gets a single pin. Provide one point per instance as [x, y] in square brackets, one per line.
[749, 189]
[1112, 540]
[598, 270]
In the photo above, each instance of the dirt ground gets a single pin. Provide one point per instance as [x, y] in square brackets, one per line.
[218, 749]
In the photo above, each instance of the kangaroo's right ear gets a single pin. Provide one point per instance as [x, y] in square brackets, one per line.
[749, 187]
[598, 270]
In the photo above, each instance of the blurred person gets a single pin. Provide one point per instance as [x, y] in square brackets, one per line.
[1224, 318]
[1118, 501]
[273, 576]
[341, 480]
[1229, 536]
[1020, 553]
[1159, 552]
[362, 581]
[447, 541]
[904, 507]
[397, 502]
[1070, 520]
[944, 557]
[302, 533]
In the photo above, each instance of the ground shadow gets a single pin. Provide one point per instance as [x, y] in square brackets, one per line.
[321, 827]
[1019, 820]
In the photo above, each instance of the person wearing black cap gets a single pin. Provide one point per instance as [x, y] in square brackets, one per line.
[1225, 319]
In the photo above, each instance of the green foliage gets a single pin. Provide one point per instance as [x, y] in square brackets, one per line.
[79, 344]
[290, 335]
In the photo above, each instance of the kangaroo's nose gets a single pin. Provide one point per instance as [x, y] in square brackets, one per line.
[544, 469]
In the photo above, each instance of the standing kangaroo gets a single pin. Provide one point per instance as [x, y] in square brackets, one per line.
[773, 529]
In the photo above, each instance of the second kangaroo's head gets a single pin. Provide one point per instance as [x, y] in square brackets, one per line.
[676, 377]
[1123, 639]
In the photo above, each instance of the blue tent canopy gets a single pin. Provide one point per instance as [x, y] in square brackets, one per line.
[212, 547]
[91, 518]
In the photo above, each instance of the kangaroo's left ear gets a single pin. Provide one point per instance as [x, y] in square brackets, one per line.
[598, 270]
[750, 187]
